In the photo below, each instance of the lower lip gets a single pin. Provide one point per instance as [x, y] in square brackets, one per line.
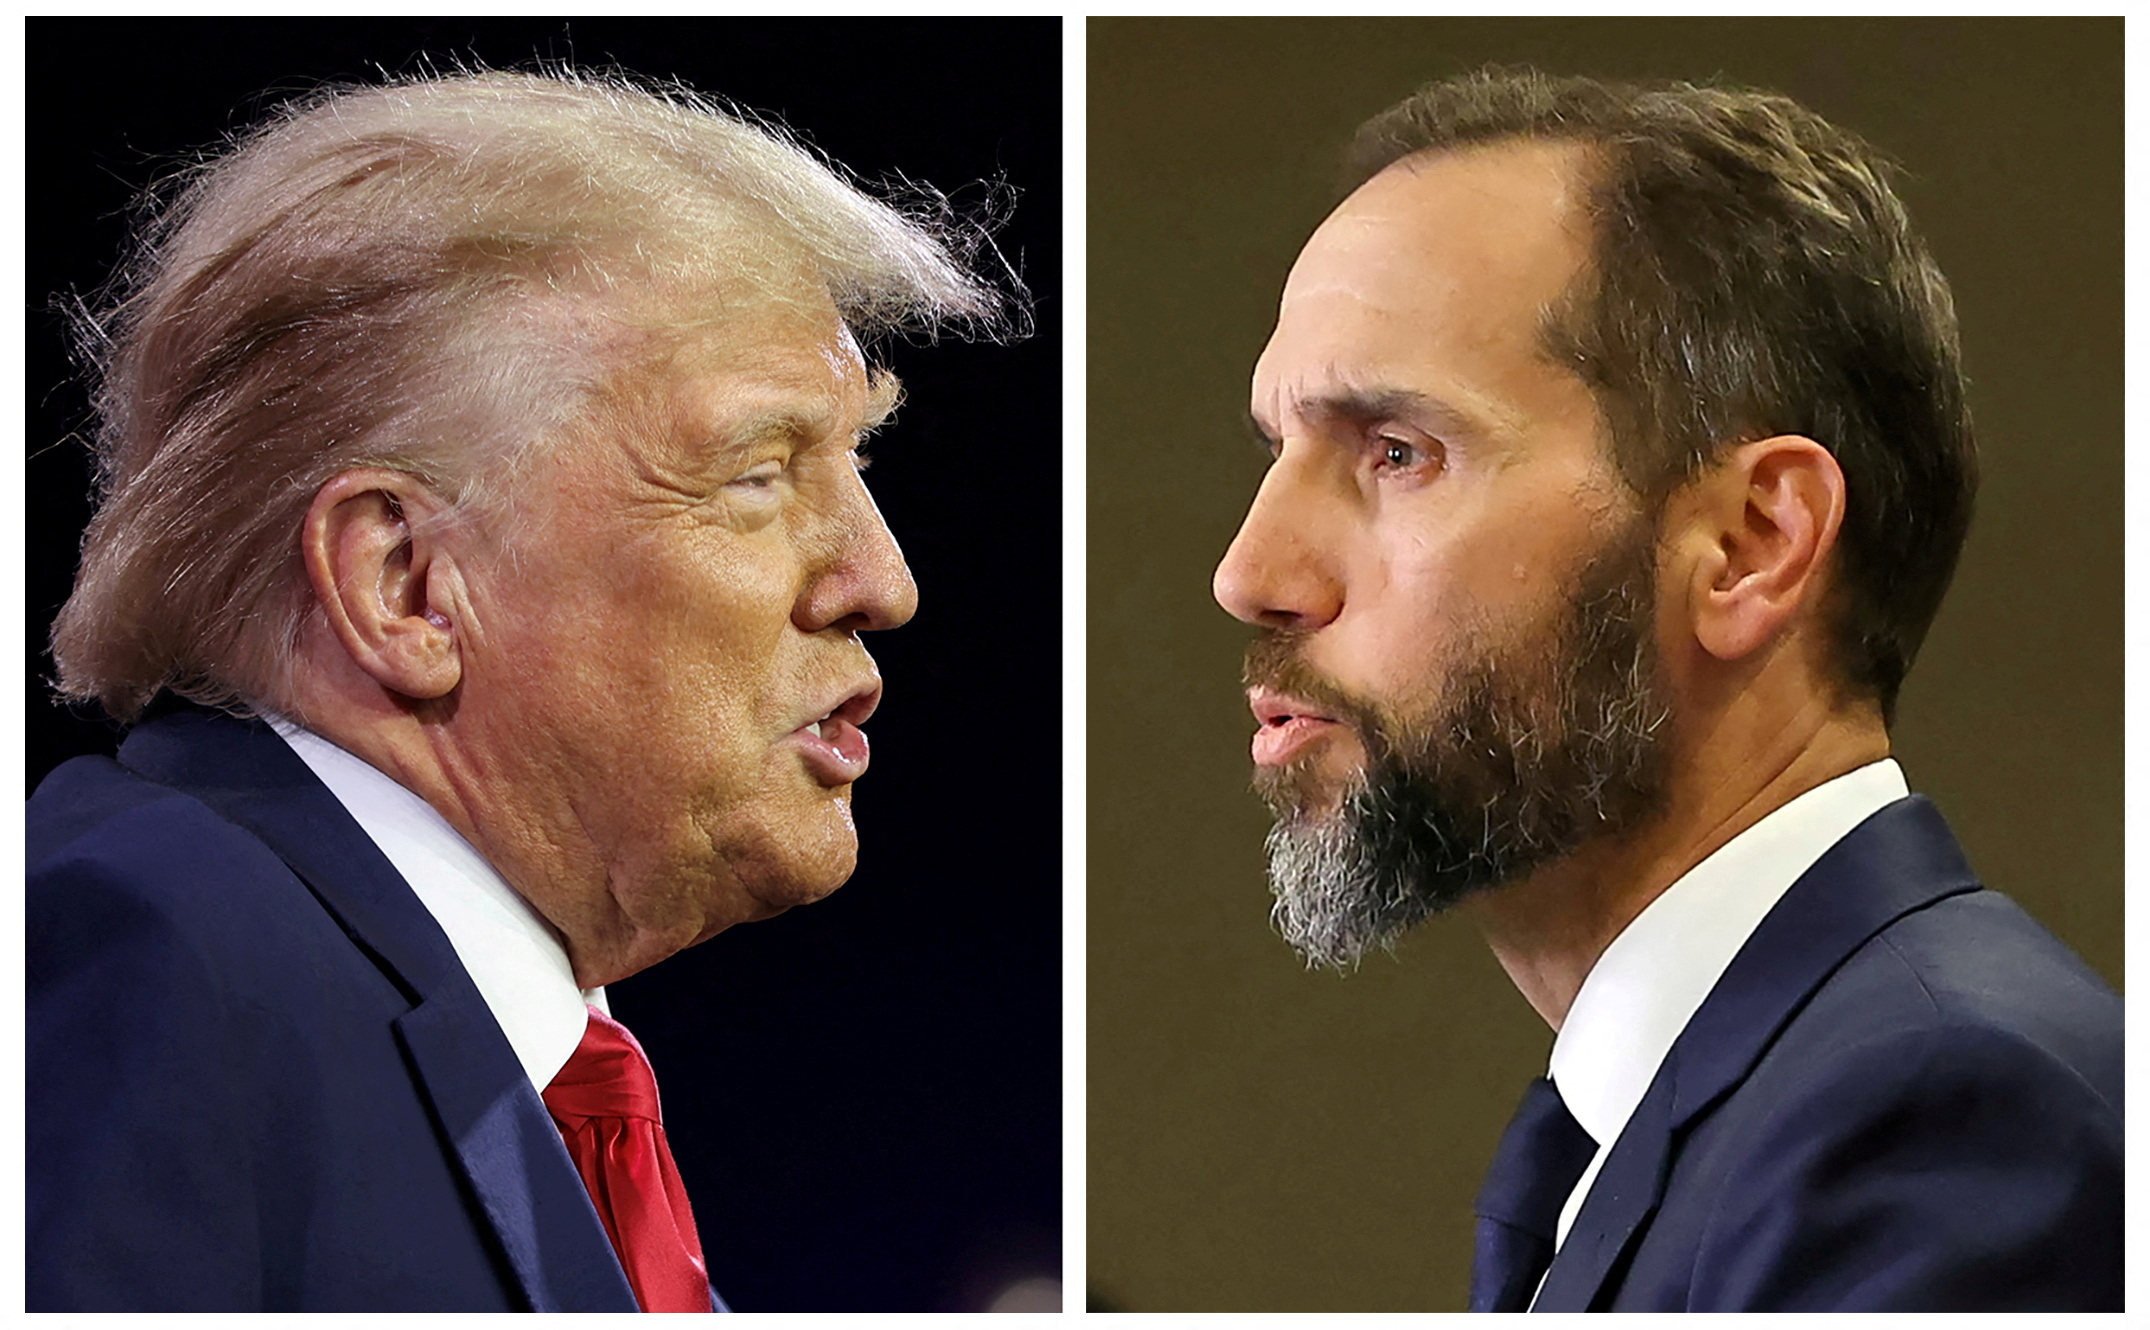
[1275, 745]
[837, 755]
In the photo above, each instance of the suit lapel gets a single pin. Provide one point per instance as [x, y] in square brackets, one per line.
[512, 1156]
[1901, 859]
[504, 1142]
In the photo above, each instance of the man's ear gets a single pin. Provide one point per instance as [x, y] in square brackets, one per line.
[1764, 520]
[389, 590]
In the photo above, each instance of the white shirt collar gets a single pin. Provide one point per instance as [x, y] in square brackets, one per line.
[513, 956]
[1638, 997]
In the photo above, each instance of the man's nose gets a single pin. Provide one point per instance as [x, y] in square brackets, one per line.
[862, 583]
[1281, 570]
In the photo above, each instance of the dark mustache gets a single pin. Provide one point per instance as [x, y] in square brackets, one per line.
[1277, 660]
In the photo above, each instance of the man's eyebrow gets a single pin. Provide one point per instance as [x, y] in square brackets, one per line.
[884, 393]
[784, 424]
[1438, 414]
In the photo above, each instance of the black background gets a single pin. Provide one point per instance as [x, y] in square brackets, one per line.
[864, 1096]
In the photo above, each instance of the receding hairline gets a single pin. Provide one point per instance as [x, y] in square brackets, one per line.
[1754, 272]
[1341, 392]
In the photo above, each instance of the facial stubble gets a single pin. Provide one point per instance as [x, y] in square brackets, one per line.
[1543, 738]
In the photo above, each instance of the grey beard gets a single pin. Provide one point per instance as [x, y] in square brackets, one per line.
[1511, 778]
[1334, 901]
[1399, 851]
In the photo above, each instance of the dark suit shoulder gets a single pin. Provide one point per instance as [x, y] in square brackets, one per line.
[143, 1096]
[220, 1114]
[105, 844]
[1970, 972]
[93, 811]
[153, 918]
[1938, 1127]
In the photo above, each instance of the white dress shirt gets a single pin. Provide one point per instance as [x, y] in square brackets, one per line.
[1639, 996]
[514, 957]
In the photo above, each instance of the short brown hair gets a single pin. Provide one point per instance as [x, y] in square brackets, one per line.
[1753, 274]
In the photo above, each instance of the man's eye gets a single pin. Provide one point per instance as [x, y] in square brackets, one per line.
[1397, 454]
[760, 477]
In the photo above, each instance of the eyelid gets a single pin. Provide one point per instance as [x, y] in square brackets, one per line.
[761, 474]
[1388, 434]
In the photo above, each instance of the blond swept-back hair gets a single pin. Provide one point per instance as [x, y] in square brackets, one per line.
[400, 276]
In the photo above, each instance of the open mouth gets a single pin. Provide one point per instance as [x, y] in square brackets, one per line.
[1285, 726]
[834, 746]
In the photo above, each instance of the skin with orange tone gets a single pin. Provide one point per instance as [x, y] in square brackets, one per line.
[1437, 475]
[610, 711]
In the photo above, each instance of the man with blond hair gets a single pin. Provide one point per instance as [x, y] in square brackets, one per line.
[481, 558]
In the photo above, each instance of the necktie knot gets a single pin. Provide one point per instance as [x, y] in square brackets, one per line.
[608, 1076]
[1540, 1158]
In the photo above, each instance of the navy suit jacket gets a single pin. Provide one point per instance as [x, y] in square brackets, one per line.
[1903, 1094]
[258, 1077]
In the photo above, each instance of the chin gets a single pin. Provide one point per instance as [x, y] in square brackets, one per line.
[763, 886]
[806, 859]
[1303, 793]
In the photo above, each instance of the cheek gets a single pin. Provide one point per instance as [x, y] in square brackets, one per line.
[660, 679]
[737, 661]
[704, 624]
[1405, 602]
[1424, 600]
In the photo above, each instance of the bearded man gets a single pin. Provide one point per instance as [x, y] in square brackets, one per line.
[480, 506]
[1621, 462]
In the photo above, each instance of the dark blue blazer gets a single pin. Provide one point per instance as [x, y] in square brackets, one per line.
[257, 1075]
[1902, 1095]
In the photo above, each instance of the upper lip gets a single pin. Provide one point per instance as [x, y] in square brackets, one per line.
[1270, 706]
[854, 705]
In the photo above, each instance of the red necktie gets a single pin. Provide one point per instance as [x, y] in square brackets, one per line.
[605, 1104]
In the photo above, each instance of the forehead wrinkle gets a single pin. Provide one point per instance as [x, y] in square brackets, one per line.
[798, 424]
[753, 408]
[1337, 393]
[791, 425]
[784, 405]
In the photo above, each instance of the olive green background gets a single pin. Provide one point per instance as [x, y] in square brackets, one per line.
[1265, 1138]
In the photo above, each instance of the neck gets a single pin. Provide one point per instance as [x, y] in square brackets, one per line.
[1548, 930]
[539, 850]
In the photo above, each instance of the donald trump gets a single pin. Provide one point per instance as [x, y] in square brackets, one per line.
[482, 560]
